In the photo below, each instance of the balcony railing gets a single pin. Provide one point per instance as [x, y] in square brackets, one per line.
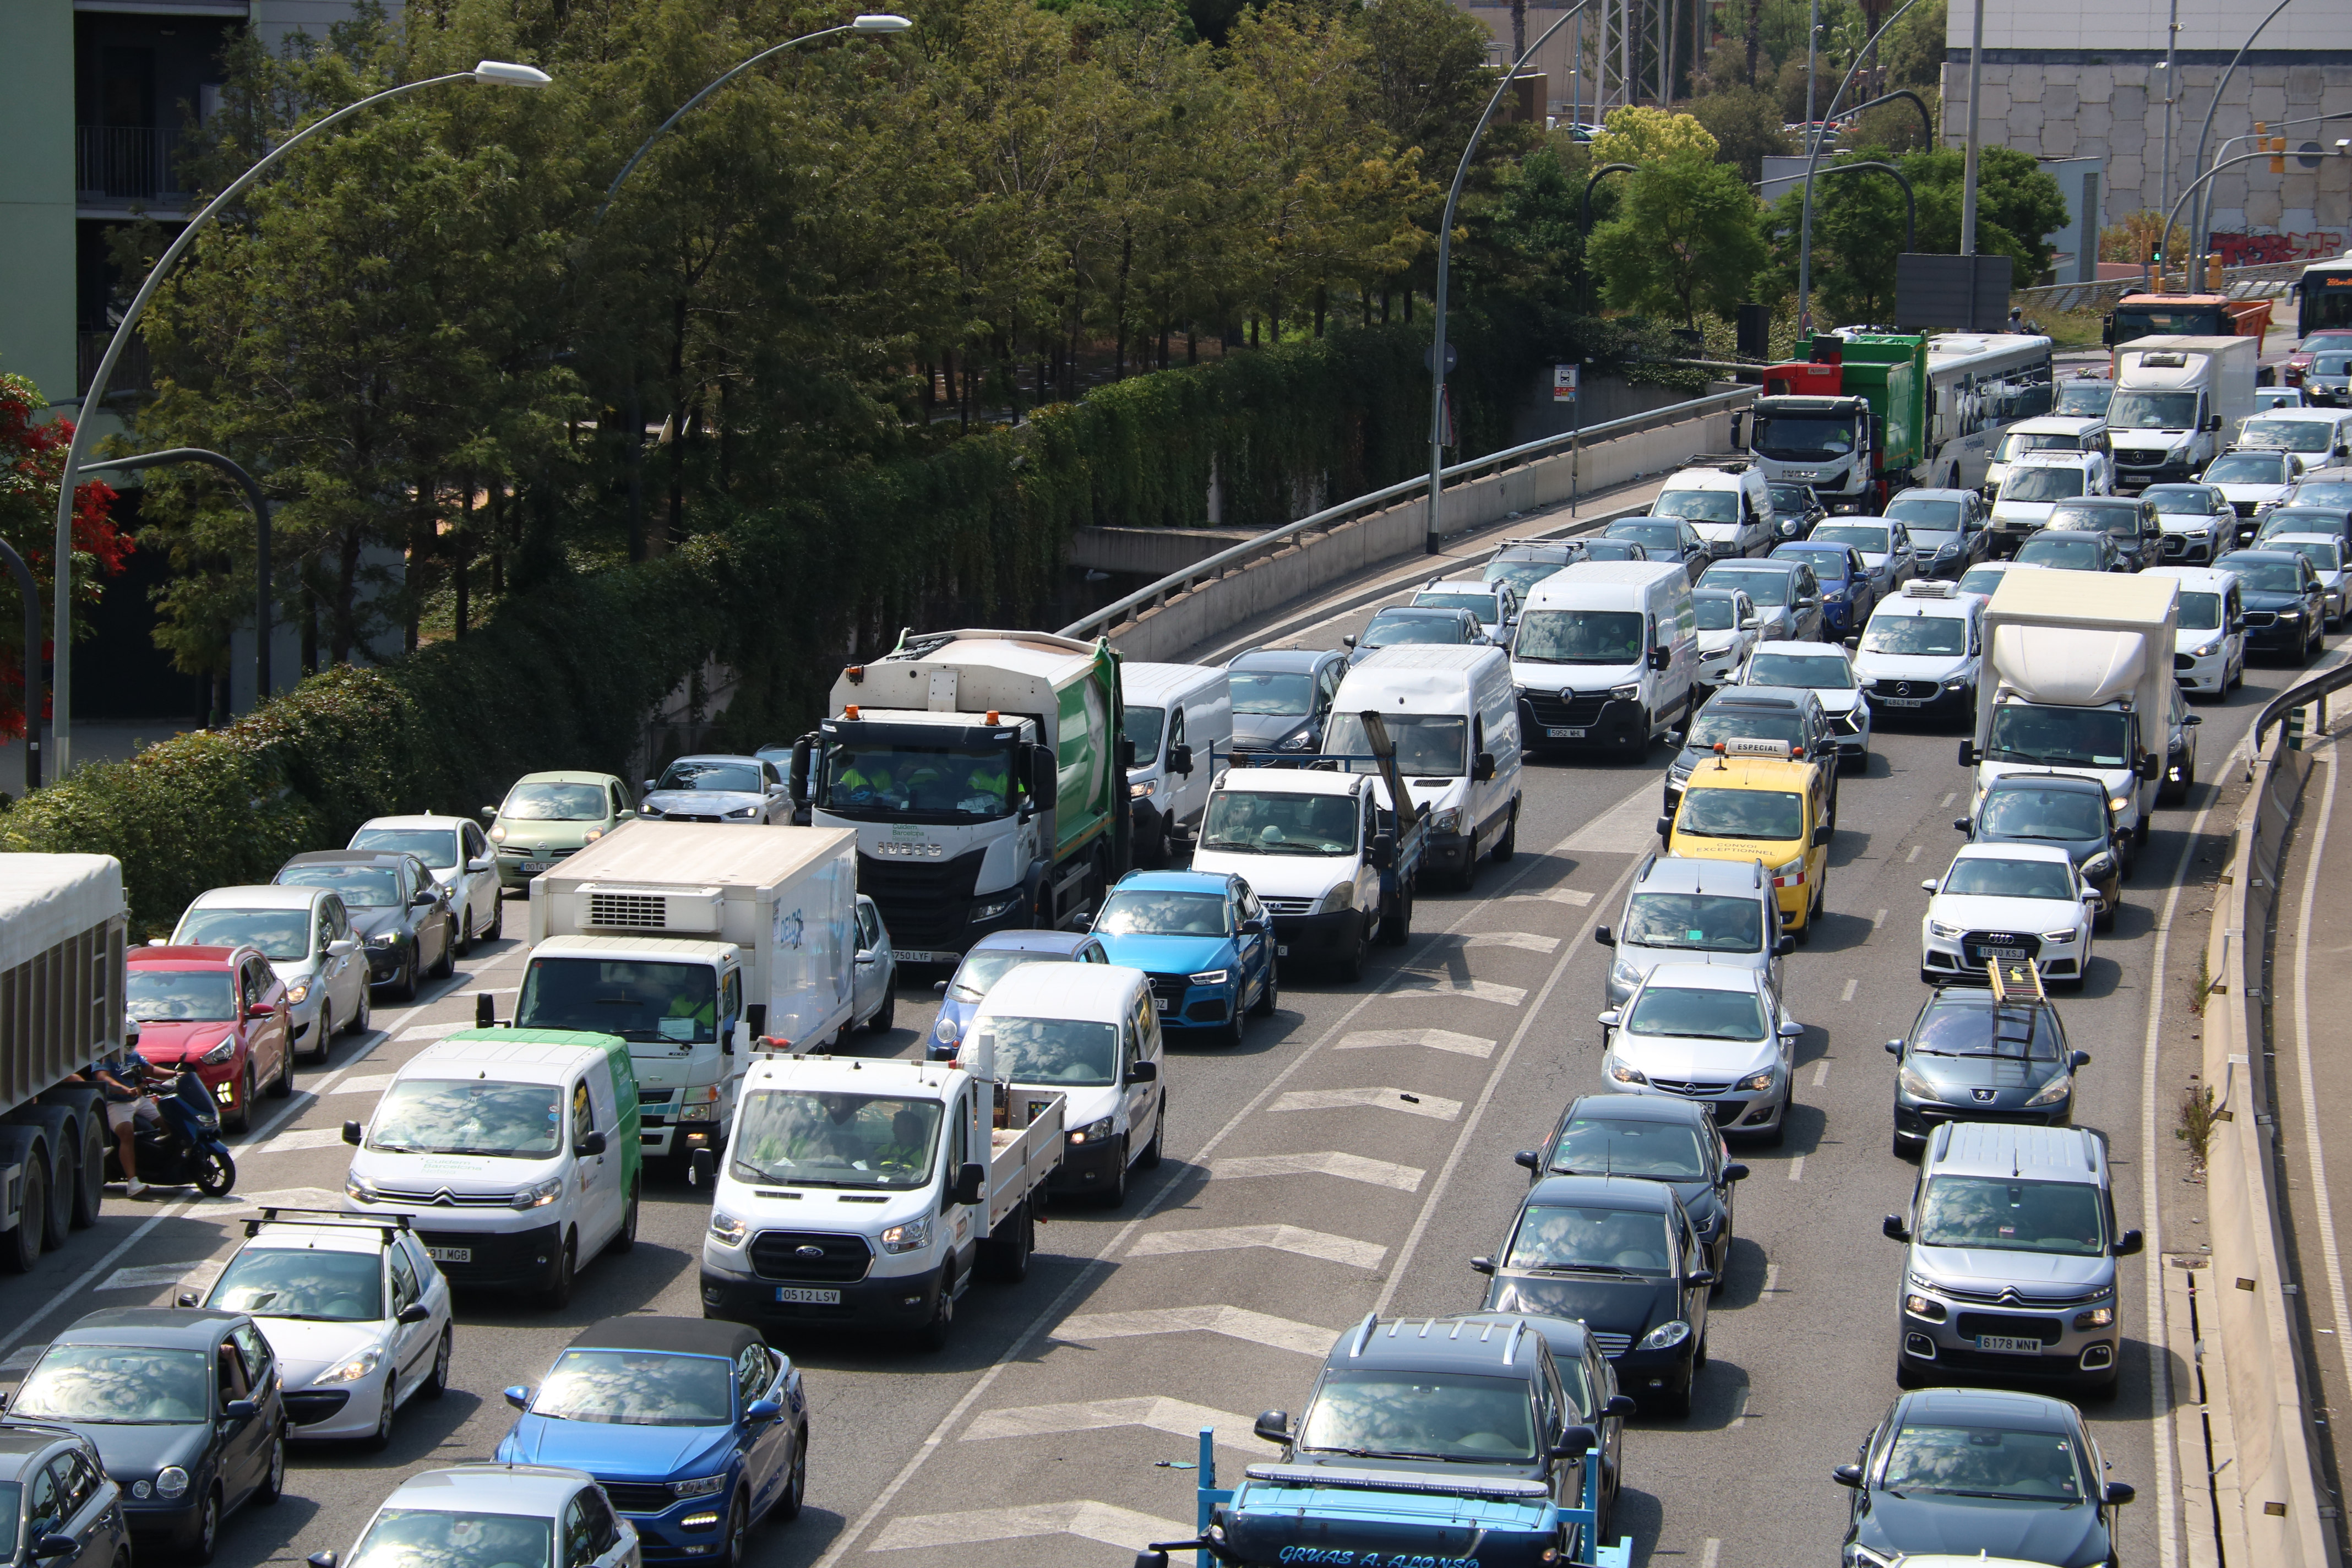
[134, 371]
[127, 163]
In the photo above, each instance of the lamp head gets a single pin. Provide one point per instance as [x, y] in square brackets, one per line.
[883, 23]
[513, 75]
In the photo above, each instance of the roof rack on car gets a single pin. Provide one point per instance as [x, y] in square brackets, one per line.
[1931, 588]
[340, 1219]
[2015, 980]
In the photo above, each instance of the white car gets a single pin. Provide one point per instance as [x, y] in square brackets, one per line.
[1920, 654]
[2007, 901]
[718, 789]
[2040, 481]
[2252, 482]
[358, 1315]
[2315, 437]
[1985, 577]
[1495, 603]
[306, 934]
[478, 1516]
[1715, 1033]
[2065, 435]
[875, 1000]
[2325, 554]
[1728, 632]
[2209, 642]
[1884, 544]
[1823, 669]
[460, 859]
[2269, 398]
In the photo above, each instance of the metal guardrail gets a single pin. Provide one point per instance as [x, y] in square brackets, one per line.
[2238, 282]
[2316, 689]
[1211, 567]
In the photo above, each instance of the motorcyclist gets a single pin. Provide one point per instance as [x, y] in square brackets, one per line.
[122, 1082]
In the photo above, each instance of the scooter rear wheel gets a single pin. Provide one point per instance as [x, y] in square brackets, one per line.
[214, 1173]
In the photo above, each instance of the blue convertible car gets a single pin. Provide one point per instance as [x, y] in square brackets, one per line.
[1204, 940]
[696, 1429]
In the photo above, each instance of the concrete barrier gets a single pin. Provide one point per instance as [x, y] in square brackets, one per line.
[2266, 1494]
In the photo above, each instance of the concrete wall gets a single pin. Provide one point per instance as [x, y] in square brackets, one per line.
[1150, 553]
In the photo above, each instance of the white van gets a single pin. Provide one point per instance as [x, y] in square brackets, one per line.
[2050, 433]
[514, 1151]
[1177, 715]
[1451, 716]
[1088, 1033]
[2208, 646]
[1606, 654]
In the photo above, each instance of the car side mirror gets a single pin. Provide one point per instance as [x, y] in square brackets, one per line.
[259, 1010]
[590, 1143]
[324, 1559]
[1611, 1018]
[342, 947]
[2091, 896]
[480, 863]
[240, 1410]
[1483, 771]
[486, 1011]
[701, 1168]
[625, 815]
[51, 1545]
[488, 814]
[1604, 936]
[1792, 1030]
[1044, 777]
[353, 1132]
[1531, 1159]
[1959, 825]
[1662, 658]
[940, 987]
[1784, 947]
[762, 1410]
[2151, 765]
[1894, 1229]
[1847, 1475]
[1621, 1405]
[189, 1298]
[1927, 885]
[1083, 921]
[1894, 1047]
[1967, 753]
[1735, 1171]
[520, 1396]
[1382, 854]
[1575, 1442]
[1348, 641]
[1482, 1266]
[970, 1179]
[424, 900]
[1666, 827]
[1179, 760]
[1141, 1072]
[2120, 1493]
[1274, 1425]
[1822, 835]
[414, 1312]
[2128, 1243]
[649, 787]
[2213, 422]
[2192, 720]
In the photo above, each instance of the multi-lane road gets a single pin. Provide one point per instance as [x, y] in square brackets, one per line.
[1350, 1157]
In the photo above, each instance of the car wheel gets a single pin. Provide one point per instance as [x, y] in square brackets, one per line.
[1150, 1159]
[283, 1084]
[436, 1381]
[885, 1017]
[464, 928]
[203, 1537]
[361, 1020]
[1114, 1195]
[22, 1246]
[936, 1333]
[625, 1238]
[240, 1120]
[273, 1479]
[1351, 967]
[498, 915]
[739, 1529]
[377, 1441]
[1396, 927]
[404, 985]
[449, 965]
[1269, 994]
[788, 1506]
[1468, 876]
[557, 1292]
[1509, 843]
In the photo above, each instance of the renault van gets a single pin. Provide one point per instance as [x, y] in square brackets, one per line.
[1450, 713]
[1606, 655]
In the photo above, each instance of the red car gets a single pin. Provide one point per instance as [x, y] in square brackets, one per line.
[221, 1012]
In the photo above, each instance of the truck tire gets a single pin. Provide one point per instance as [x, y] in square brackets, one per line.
[1008, 1255]
[1509, 843]
[63, 1152]
[20, 1248]
[934, 1335]
[90, 1179]
[1351, 966]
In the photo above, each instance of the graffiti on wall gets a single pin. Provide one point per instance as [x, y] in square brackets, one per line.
[2264, 249]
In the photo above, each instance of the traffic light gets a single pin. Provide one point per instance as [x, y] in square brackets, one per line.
[2276, 147]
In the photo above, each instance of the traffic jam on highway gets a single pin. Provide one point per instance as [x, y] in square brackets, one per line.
[1355, 1025]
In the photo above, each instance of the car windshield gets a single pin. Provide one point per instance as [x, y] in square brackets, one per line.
[1420, 1415]
[2322, 554]
[1698, 506]
[1817, 671]
[1251, 822]
[115, 1386]
[1145, 724]
[1804, 438]
[1663, 537]
[1278, 692]
[2292, 435]
[1578, 636]
[1614, 550]
[1982, 1461]
[1428, 745]
[807, 1139]
[278, 934]
[985, 967]
[436, 847]
[2061, 554]
[1870, 538]
[2248, 468]
[1389, 629]
[554, 802]
[694, 773]
[1709, 922]
[2018, 442]
[1154, 911]
[2334, 493]
[1982, 579]
[1072, 1053]
[1664, 1151]
[1715, 612]
[1769, 589]
[2061, 815]
[312, 1284]
[470, 1116]
[2006, 1214]
[1729, 723]
[1942, 516]
[2059, 737]
[2121, 519]
[1792, 500]
[2085, 399]
[1692, 1014]
[360, 887]
[2042, 482]
[170, 995]
[1970, 1026]
[935, 775]
[1767, 815]
[1521, 575]
[2192, 501]
[2152, 411]
[2302, 520]
[1890, 631]
[638, 1388]
[2269, 576]
[1988, 877]
[2200, 612]
[639, 1000]
[1572, 1237]
[433, 1538]
[1484, 605]
[2331, 364]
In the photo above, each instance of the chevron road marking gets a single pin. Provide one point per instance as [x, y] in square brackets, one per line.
[1305, 1243]
[1158, 1412]
[1575, 896]
[1525, 942]
[289, 1142]
[1412, 981]
[1434, 1039]
[1233, 1323]
[1327, 1162]
[1380, 1098]
[1113, 1526]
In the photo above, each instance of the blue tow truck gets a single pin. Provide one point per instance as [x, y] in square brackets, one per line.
[1461, 1442]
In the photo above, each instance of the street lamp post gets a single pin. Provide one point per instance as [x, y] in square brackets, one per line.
[258, 503]
[32, 594]
[2197, 232]
[1812, 161]
[2342, 149]
[62, 702]
[1444, 260]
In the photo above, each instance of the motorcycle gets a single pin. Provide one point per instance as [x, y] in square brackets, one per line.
[184, 1148]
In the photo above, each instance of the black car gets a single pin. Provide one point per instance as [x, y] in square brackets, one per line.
[1282, 696]
[2286, 609]
[2130, 520]
[1786, 593]
[2065, 809]
[1524, 563]
[1619, 1253]
[1416, 624]
[1795, 510]
[1788, 713]
[401, 914]
[1950, 528]
[184, 1407]
[57, 1508]
[2064, 550]
[2301, 518]
[1665, 538]
[1658, 1138]
[1615, 550]
[1969, 1472]
[1972, 1056]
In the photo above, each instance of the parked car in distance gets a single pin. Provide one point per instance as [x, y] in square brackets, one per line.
[2008, 901]
[2197, 520]
[2067, 810]
[311, 944]
[549, 816]
[1281, 697]
[1406, 624]
[992, 958]
[1657, 1138]
[183, 997]
[1948, 529]
[1666, 538]
[458, 855]
[515, 1512]
[402, 915]
[717, 788]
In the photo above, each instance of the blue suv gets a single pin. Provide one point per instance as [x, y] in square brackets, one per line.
[1204, 940]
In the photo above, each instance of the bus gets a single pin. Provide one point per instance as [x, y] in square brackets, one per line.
[2324, 297]
[1979, 384]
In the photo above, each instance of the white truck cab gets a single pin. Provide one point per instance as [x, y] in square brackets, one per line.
[1307, 843]
[1089, 1034]
[1726, 500]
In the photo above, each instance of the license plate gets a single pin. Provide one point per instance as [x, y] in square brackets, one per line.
[450, 1254]
[1159, 1003]
[2008, 1343]
[917, 955]
[809, 1296]
[1565, 735]
[533, 867]
[1904, 701]
[2011, 952]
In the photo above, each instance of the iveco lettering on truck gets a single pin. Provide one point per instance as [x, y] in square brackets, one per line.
[983, 773]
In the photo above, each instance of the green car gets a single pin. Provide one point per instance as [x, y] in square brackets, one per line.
[549, 816]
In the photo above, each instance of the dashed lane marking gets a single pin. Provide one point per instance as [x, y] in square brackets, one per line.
[1797, 1169]
[1947, 800]
[21, 1360]
[1913, 855]
[1876, 920]
[1739, 1416]
[1233, 1323]
[147, 1275]
[1525, 942]
[1381, 1098]
[1089, 1519]
[1821, 1068]
[1629, 827]
[1341, 1249]
[1772, 1280]
[291, 1143]
[432, 1031]
[1327, 1162]
[1847, 995]
[366, 1083]
[1420, 982]
[1174, 1416]
[1434, 1039]
[1714, 1549]
[1576, 897]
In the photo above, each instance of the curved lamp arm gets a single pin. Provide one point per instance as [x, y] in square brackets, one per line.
[1805, 234]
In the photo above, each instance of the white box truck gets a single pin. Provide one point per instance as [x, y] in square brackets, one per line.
[869, 1195]
[2077, 678]
[2177, 404]
[695, 943]
[63, 1005]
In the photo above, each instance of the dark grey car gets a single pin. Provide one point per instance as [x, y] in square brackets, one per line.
[1789, 713]
[1658, 1138]
[2064, 809]
[1667, 539]
[2132, 522]
[1786, 593]
[57, 1508]
[1524, 563]
[1282, 696]
[1948, 529]
[402, 915]
[1972, 1057]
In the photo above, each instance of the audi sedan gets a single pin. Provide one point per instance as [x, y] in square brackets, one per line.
[2016, 902]
[2197, 520]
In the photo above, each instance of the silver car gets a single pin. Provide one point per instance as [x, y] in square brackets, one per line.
[716, 789]
[306, 934]
[460, 858]
[1694, 911]
[1718, 1036]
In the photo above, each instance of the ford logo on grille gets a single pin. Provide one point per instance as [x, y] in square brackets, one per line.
[809, 1252]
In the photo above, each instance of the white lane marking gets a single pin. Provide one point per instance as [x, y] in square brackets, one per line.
[1739, 1417]
[2324, 1208]
[1089, 1519]
[1341, 1249]
[1629, 827]
[1913, 855]
[21, 1359]
[147, 1275]
[1706, 1559]
[1797, 1169]
[1576, 897]
[1876, 920]
[1847, 995]
[288, 1142]
[434, 1031]
[366, 1083]
[1948, 799]
[1328, 1162]
[1525, 942]
[1772, 1280]
[1434, 1039]
[1422, 983]
[1380, 1098]
[1158, 1412]
[1821, 1072]
[1233, 1323]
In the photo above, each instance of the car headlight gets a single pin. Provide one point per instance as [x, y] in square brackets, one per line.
[499, 832]
[2056, 1090]
[224, 1051]
[704, 1111]
[1142, 790]
[1446, 821]
[726, 1229]
[702, 1486]
[1624, 973]
[299, 993]
[2207, 651]
[2099, 866]
[360, 1190]
[1625, 1074]
[1631, 692]
[2120, 803]
[1342, 896]
[1938, 928]
[1959, 683]
[1915, 1083]
[539, 1194]
[1795, 868]
[360, 1365]
[383, 940]
[2094, 1317]
[171, 1481]
[1094, 1131]
[591, 836]
[2069, 934]
[1297, 741]
[1755, 1083]
[1925, 1307]
[1665, 1336]
[1208, 977]
[912, 1236]
[993, 908]
[744, 814]
[652, 811]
